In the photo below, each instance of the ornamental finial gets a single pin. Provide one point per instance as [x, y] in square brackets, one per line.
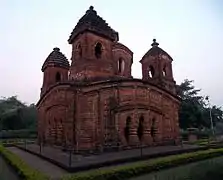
[56, 49]
[154, 43]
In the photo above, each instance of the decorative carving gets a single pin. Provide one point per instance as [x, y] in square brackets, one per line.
[96, 115]
[155, 97]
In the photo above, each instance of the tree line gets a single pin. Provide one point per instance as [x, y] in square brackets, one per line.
[194, 111]
[15, 115]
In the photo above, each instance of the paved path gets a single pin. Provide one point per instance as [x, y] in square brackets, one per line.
[37, 163]
[80, 160]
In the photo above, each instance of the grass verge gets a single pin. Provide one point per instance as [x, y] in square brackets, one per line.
[22, 169]
[144, 167]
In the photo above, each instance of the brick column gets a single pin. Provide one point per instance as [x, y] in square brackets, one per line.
[133, 137]
[147, 140]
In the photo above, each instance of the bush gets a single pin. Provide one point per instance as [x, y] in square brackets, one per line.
[144, 167]
[12, 142]
[22, 169]
[23, 133]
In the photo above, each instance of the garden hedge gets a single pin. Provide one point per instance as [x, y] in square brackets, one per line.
[12, 142]
[21, 168]
[144, 167]
[22, 133]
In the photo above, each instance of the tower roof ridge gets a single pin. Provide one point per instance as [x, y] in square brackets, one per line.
[156, 50]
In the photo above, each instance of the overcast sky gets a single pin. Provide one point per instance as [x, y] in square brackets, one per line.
[191, 31]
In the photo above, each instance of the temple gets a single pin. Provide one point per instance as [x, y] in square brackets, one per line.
[94, 103]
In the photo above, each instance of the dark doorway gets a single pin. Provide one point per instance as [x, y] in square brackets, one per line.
[140, 128]
[127, 128]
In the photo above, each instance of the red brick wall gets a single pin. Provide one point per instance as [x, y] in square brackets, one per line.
[86, 114]
[87, 65]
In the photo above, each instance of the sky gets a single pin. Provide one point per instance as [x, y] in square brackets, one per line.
[191, 31]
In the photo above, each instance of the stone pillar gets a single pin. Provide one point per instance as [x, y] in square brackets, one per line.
[158, 128]
[147, 140]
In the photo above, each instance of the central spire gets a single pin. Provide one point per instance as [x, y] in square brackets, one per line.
[92, 22]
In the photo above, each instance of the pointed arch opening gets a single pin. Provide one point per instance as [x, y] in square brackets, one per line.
[140, 128]
[98, 50]
[151, 72]
[58, 77]
[79, 50]
[127, 128]
[121, 65]
[164, 71]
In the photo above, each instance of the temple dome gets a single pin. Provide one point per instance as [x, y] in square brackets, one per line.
[56, 58]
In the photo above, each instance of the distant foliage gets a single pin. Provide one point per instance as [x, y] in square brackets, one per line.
[15, 115]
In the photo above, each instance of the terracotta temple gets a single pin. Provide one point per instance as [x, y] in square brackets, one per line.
[94, 103]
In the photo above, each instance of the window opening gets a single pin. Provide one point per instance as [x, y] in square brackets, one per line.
[58, 77]
[151, 72]
[121, 65]
[98, 50]
[164, 71]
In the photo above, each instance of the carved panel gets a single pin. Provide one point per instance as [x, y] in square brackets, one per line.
[141, 94]
[155, 98]
[126, 95]
[167, 104]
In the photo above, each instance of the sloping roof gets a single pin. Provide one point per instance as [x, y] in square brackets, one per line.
[155, 50]
[93, 23]
[57, 59]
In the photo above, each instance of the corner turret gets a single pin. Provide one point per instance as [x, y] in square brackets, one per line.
[55, 69]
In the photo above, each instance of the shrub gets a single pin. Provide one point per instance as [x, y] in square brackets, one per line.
[22, 169]
[144, 167]
[23, 133]
[12, 142]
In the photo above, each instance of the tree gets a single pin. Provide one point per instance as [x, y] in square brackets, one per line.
[16, 115]
[194, 109]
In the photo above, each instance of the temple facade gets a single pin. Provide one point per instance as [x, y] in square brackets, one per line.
[94, 103]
